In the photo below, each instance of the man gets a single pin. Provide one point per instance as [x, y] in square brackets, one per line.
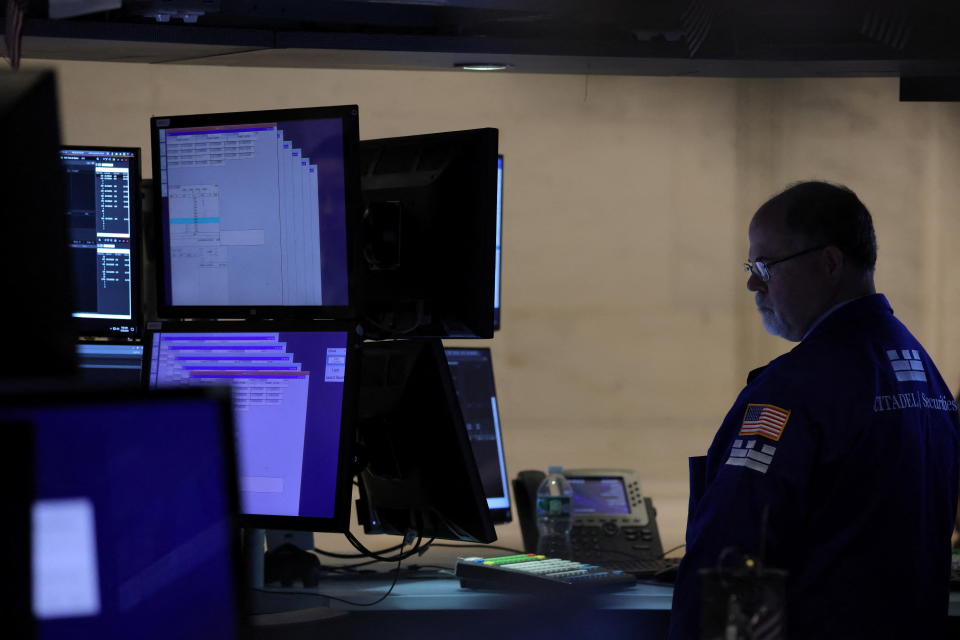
[839, 460]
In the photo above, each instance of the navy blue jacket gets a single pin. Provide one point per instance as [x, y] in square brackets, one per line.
[851, 442]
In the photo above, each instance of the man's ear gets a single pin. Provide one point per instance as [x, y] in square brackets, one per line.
[833, 261]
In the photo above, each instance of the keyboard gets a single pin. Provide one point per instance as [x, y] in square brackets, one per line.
[531, 572]
[660, 568]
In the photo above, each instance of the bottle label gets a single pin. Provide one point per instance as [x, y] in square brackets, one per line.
[553, 505]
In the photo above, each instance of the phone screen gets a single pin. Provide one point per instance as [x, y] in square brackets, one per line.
[598, 495]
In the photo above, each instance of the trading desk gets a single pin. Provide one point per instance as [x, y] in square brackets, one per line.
[437, 607]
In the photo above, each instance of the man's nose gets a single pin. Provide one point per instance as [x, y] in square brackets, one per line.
[756, 283]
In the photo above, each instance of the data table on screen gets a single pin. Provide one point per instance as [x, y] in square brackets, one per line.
[287, 399]
[253, 212]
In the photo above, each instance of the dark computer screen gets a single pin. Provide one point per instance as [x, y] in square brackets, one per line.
[472, 373]
[254, 211]
[109, 364]
[133, 527]
[499, 255]
[291, 395]
[103, 211]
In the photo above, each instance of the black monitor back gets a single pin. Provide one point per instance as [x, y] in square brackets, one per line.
[429, 234]
[418, 471]
[34, 265]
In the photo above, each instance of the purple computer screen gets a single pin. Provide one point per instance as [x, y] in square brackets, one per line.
[606, 496]
[132, 523]
[288, 402]
[254, 214]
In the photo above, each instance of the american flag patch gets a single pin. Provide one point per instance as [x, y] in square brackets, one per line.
[764, 420]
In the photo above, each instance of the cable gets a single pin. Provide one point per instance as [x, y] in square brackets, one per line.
[392, 333]
[418, 549]
[440, 568]
[411, 568]
[478, 546]
[352, 539]
[14, 30]
[672, 549]
[331, 554]
[396, 576]
[354, 565]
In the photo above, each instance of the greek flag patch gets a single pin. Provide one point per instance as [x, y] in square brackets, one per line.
[907, 365]
[746, 453]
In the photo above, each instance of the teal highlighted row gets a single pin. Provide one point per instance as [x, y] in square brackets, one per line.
[194, 220]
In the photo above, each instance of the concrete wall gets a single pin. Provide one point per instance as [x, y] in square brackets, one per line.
[627, 327]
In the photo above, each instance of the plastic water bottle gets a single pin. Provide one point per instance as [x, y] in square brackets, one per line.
[554, 515]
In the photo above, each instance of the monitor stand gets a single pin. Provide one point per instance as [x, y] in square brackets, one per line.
[300, 539]
[271, 606]
[253, 548]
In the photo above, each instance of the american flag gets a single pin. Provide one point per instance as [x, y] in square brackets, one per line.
[764, 420]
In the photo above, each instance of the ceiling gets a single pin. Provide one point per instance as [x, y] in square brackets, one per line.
[732, 38]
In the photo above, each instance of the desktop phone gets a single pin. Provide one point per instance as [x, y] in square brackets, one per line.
[613, 523]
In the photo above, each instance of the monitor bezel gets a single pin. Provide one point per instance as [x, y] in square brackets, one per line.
[349, 117]
[93, 328]
[498, 277]
[502, 515]
[63, 395]
[339, 522]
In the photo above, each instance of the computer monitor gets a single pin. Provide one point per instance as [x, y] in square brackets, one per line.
[472, 372]
[417, 470]
[255, 212]
[34, 263]
[293, 404]
[109, 365]
[499, 256]
[17, 494]
[429, 234]
[133, 527]
[103, 209]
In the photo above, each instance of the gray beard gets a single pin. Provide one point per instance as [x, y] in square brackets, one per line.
[775, 326]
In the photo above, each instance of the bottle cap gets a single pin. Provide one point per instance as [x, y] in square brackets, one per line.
[555, 469]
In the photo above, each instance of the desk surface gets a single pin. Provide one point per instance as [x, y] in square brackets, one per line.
[445, 594]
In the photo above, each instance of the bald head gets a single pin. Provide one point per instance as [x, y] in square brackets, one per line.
[823, 213]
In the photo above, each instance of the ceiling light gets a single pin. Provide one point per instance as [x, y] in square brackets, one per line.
[483, 66]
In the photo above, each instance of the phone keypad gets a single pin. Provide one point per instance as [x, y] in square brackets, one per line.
[594, 537]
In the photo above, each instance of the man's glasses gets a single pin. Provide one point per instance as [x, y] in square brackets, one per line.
[761, 267]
